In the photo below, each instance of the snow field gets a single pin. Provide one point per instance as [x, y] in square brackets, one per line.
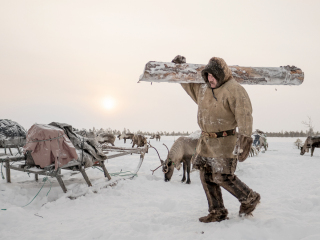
[149, 208]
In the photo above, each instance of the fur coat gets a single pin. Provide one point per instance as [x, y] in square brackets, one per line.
[223, 108]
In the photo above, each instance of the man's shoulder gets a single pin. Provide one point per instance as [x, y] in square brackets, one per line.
[232, 84]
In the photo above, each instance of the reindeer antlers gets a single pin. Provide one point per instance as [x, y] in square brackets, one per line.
[159, 158]
[166, 147]
[155, 169]
[156, 151]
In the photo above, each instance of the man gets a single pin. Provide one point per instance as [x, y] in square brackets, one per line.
[223, 105]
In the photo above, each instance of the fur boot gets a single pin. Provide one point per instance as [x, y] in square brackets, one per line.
[248, 207]
[217, 215]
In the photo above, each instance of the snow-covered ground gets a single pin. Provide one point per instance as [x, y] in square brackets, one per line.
[149, 208]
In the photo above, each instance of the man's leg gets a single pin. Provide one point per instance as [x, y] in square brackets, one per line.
[217, 211]
[248, 198]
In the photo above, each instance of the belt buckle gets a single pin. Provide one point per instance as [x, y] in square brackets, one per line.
[214, 135]
[224, 134]
[205, 134]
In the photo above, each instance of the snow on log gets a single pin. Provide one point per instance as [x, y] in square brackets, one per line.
[191, 73]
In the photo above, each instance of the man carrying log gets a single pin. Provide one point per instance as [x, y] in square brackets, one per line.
[223, 105]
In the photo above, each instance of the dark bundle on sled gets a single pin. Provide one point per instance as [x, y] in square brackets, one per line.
[87, 146]
[12, 134]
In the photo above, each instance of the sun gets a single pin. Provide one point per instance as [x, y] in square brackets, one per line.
[108, 103]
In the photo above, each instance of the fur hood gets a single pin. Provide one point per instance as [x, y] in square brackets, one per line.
[219, 69]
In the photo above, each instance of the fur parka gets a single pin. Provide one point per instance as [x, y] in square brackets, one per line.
[223, 108]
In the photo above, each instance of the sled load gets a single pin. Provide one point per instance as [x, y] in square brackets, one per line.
[12, 134]
[178, 71]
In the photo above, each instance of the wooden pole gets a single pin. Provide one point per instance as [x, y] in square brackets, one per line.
[191, 73]
[8, 171]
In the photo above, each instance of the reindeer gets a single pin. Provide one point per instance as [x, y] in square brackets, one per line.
[181, 152]
[106, 138]
[139, 140]
[126, 136]
[158, 137]
[87, 134]
[155, 136]
[311, 142]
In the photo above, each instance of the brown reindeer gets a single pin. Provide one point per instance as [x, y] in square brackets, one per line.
[158, 137]
[139, 140]
[311, 142]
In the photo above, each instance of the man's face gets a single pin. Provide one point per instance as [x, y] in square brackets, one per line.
[213, 82]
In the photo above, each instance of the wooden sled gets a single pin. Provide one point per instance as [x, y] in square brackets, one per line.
[121, 151]
[72, 165]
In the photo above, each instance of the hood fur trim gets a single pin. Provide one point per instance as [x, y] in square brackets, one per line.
[219, 69]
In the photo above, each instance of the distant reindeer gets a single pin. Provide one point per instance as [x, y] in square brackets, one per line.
[87, 134]
[158, 137]
[311, 142]
[155, 136]
[126, 136]
[106, 138]
[139, 140]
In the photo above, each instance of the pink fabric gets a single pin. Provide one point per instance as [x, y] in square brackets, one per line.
[59, 151]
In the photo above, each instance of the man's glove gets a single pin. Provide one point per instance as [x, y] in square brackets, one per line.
[242, 148]
[179, 59]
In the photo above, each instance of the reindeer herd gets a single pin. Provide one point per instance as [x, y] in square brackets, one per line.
[183, 149]
[103, 137]
[180, 154]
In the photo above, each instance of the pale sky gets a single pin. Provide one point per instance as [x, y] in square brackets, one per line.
[60, 59]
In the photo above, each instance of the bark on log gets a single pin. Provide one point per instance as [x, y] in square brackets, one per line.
[191, 73]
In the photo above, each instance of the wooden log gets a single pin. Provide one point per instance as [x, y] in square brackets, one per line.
[191, 73]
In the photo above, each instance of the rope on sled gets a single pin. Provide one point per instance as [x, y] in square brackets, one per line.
[44, 180]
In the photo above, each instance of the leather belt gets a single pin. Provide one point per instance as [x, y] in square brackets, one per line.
[219, 134]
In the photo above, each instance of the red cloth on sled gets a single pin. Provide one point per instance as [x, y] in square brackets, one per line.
[56, 147]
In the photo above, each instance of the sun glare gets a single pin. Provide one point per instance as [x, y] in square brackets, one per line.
[108, 103]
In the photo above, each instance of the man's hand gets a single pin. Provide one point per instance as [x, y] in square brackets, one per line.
[242, 148]
[179, 59]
